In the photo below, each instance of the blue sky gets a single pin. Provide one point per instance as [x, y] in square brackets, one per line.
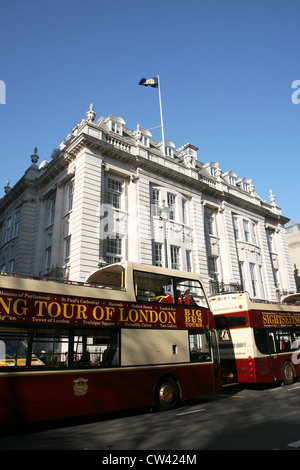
[226, 69]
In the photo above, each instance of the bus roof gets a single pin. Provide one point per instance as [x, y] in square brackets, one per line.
[101, 283]
[292, 298]
[238, 302]
[114, 271]
[111, 274]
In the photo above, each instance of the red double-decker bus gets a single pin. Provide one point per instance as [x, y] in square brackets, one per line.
[258, 340]
[133, 336]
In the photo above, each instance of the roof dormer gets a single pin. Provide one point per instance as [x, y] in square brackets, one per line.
[115, 124]
[230, 177]
[211, 168]
[169, 148]
[243, 183]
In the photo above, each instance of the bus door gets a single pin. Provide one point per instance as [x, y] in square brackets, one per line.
[273, 350]
[216, 353]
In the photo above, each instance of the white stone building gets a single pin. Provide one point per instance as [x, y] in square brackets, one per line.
[293, 239]
[110, 193]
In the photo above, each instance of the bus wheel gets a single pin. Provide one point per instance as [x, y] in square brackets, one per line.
[288, 373]
[167, 395]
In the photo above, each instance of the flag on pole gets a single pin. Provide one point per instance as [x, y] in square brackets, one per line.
[149, 82]
[155, 83]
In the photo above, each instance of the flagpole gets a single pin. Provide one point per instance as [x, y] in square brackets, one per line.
[161, 117]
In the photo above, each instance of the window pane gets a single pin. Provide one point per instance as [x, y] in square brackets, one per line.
[190, 292]
[261, 340]
[253, 278]
[155, 202]
[164, 289]
[172, 206]
[13, 348]
[114, 191]
[199, 347]
[236, 228]
[175, 257]
[113, 249]
[96, 348]
[246, 230]
[50, 347]
[153, 288]
[208, 222]
[158, 261]
[70, 190]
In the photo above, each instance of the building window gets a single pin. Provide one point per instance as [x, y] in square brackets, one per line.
[51, 211]
[243, 184]
[172, 206]
[158, 254]
[114, 192]
[16, 223]
[169, 152]
[242, 275]
[175, 257]
[270, 241]
[145, 140]
[185, 218]
[261, 278]
[116, 127]
[67, 248]
[11, 265]
[254, 233]
[70, 192]
[8, 230]
[189, 261]
[213, 267]
[155, 202]
[230, 177]
[246, 230]
[115, 124]
[236, 228]
[209, 222]
[253, 278]
[48, 259]
[114, 249]
[275, 276]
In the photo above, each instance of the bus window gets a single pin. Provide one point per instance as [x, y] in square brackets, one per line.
[50, 348]
[190, 292]
[295, 340]
[261, 340]
[279, 340]
[287, 340]
[153, 287]
[199, 346]
[96, 348]
[13, 349]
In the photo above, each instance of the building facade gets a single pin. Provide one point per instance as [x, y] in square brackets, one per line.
[110, 194]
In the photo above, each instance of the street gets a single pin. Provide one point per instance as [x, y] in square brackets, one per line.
[249, 418]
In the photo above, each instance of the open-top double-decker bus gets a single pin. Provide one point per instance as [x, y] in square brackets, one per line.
[258, 340]
[133, 336]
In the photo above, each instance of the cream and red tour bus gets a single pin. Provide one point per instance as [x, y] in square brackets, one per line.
[132, 336]
[258, 340]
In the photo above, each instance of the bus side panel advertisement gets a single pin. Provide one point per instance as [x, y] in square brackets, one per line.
[18, 306]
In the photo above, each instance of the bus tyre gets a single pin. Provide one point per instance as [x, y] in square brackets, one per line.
[167, 394]
[288, 373]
